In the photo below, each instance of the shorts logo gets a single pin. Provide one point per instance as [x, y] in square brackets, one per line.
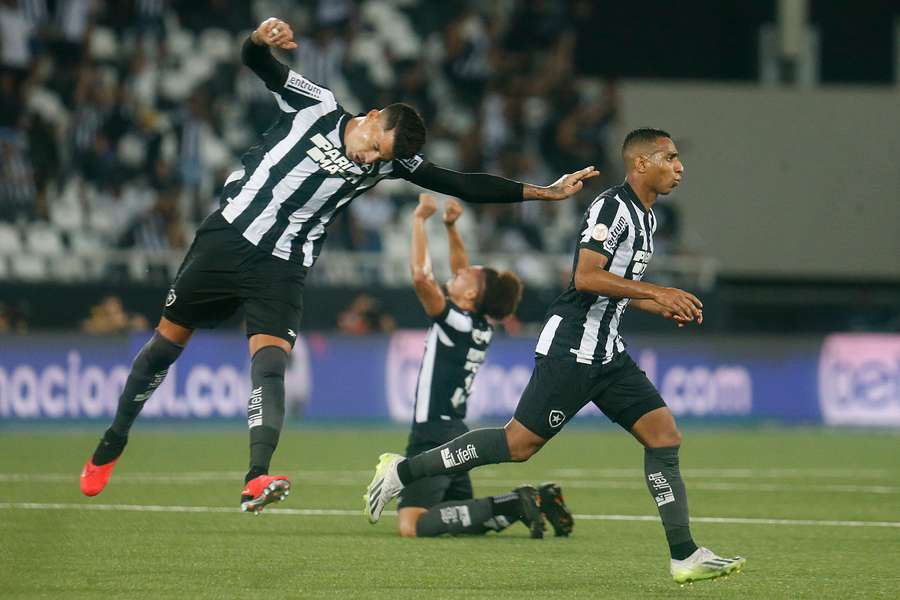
[170, 298]
[556, 418]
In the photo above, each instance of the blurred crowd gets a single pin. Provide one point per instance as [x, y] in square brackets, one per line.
[120, 119]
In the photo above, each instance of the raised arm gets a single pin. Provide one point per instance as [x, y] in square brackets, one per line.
[271, 33]
[427, 289]
[482, 188]
[458, 257]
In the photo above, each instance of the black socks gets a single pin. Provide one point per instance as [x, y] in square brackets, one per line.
[472, 449]
[667, 488]
[507, 505]
[470, 516]
[147, 372]
[110, 447]
[265, 410]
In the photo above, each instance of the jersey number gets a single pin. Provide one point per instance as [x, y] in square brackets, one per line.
[462, 393]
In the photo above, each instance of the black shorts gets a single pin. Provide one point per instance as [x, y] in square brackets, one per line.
[558, 389]
[430, 491]
[223, 271]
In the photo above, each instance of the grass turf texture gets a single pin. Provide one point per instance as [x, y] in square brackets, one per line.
[805, 474]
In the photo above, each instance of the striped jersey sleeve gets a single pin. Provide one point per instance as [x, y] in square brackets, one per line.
[605, 226]
[403, 168]
[298, 93]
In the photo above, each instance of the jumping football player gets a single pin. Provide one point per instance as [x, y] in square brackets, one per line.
[255, 250]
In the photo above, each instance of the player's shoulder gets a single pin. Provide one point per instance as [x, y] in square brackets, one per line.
[409, 165]
[299, 84]
[611, 195]
[457, 318]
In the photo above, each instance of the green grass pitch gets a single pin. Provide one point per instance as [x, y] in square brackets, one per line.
[816, 512]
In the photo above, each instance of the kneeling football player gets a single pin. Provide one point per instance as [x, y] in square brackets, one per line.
[454, 350]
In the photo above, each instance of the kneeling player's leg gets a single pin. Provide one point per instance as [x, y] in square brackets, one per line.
[656, 430]
[460, 513]
[418, 498]
[147, 373]
[459, 517]
[265, 410]
[408, 518]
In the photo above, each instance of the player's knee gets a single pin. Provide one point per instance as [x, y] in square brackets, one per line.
[407, 530]
[269, 361]
[669, 438]
[522, 443]
[521, 450]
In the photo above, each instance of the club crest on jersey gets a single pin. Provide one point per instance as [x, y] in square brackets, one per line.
[331, 159]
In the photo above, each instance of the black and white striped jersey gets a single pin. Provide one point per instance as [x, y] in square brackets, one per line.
[583, 326]
[295, 182]
[454, 351]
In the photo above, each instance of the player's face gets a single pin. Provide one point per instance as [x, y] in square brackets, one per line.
[665, 169]
[369, 142]
[465, 283]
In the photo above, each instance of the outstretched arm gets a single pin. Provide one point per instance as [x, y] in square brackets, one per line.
[271, 33]
[458, 257]
[483, 187]
[427, 289]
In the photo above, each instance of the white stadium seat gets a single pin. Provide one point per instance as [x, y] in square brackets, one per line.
[10, 241]
[43, 241]
[68, 216]
[67, 267]
[28, 267]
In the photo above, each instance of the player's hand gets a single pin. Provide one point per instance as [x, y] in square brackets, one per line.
[679, 320]
[681, 304]
[427, 206]
[570, 184]
[275, 33]
[452, 211]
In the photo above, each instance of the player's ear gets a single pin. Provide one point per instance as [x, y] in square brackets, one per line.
[640, 163]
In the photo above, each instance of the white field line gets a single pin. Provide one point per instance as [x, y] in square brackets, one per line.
[740, 473]
[325, 512]
[630, 479]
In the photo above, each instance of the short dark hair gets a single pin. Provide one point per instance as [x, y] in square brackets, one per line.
[502, 293]
[410, 135]
[643, 135]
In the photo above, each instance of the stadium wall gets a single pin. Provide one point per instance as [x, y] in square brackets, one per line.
[783, 181]
[841, 379]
